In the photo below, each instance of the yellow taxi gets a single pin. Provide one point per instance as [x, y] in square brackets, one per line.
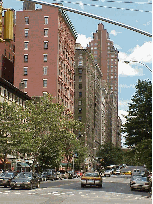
[91, 179]
[127, 173]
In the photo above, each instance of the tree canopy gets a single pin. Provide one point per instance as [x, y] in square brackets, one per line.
[138, 126]
[43, 129]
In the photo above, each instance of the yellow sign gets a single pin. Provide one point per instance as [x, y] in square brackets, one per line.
[8, 25]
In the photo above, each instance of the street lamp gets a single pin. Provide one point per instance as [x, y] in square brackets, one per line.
[127, 62]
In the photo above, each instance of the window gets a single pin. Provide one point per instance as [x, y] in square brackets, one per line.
[5, 52]
[4, 93]
[79, 118]
[26, 45]
[44, 82]
[45, 57]
[46, 45]
[26, 20]
[25, 71]
[80, 103]
[80, 78]
[25, 58]
[45, 70]
[111, 77]
[80, 110]
[45, 94]
[80, 94]
[46, 32]
[25, 82]
[46, 20]
[95, 48]
[80, 71]
[95, 52]
[80, 63]
[80, 86]
[26, 32]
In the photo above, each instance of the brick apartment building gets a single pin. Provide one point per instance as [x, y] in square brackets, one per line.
[106, 56]
[44, 53]
[88, 98]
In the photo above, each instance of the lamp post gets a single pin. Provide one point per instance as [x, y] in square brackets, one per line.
[127, 62]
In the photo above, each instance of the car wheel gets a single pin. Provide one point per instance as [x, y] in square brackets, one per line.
[82, 185]
[5, 186]
[131, 189]
[31, 187]
[38, 185]
[12, 188]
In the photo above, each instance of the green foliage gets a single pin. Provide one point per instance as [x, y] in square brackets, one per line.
[43, 129]
[110, 154]
[138, 126]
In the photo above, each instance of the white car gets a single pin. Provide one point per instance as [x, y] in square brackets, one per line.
[117, 172]
[107, 173]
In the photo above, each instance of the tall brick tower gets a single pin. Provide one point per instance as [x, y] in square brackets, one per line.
[106, 56]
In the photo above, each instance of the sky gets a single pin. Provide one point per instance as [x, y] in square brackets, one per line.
[131, 45]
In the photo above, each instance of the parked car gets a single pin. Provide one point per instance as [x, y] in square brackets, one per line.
[108, 172]
[78, 173]
[117, 172]
[70, 175]
[140, 183]
[64, 174]
[59, 176]
[5, 178]
[91, 179]
[51, 174]
[44, 176]
[26, 180]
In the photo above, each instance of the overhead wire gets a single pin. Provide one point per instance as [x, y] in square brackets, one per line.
[96, 5]
[92, 16]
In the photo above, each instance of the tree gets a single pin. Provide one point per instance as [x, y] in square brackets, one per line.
[110, 154]
[10, 127]
[138, 126]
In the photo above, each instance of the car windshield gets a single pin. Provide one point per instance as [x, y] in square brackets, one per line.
[24, 175]
[141, 179]
[8, 175]
[91, 174]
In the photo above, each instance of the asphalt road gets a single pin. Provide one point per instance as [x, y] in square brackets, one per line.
[115, 190]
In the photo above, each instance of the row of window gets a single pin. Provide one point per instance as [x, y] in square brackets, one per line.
[26, 57]
[25, 70]
[27, 20]
[26, 43]
[26, 83]
[26, 32]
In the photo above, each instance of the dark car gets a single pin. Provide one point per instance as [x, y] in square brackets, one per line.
[5, 178]
[26, 180]
[140, 183]
[70, 175]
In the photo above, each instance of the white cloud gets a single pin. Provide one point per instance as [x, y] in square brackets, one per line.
[83, 40]
[113, 32]
[139, 53]
[80, 4]
[117, 46]
[121, 114]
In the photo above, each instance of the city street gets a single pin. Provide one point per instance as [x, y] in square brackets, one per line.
[115, 190]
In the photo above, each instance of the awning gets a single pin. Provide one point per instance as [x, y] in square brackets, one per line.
[7, 161]
[20, 164]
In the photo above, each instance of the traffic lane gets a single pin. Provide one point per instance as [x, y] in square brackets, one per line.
[110, 184]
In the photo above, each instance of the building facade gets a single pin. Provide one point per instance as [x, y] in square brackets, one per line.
[88, 98]
[44, 55]
[106, 56]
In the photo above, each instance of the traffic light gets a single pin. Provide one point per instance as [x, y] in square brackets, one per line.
[1, 27]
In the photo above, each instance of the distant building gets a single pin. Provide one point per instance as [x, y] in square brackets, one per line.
[88, 98]
[106, 56]
[44, 55]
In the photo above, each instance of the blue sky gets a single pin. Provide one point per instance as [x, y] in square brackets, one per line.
[131, 45]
